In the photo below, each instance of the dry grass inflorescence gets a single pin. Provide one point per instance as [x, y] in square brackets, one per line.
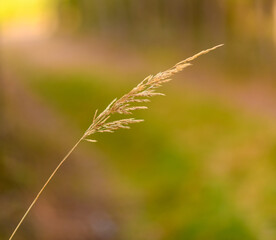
[124, 106]
[139, 94]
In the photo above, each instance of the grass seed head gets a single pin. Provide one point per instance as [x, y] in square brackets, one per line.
[139, 94]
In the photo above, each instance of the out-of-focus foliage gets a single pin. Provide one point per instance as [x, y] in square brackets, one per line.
[18, 9]
[247, 27]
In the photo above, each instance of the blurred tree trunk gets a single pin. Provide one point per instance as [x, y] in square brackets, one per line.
[2, 124]
[274, 21]
[230, 19]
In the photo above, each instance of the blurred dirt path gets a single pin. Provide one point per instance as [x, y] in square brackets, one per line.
[80, 54]
[255, 95]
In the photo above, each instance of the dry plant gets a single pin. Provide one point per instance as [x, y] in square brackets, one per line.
[124, 105]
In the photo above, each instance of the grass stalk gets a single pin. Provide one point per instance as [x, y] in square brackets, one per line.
[44, 186]
[124, 105]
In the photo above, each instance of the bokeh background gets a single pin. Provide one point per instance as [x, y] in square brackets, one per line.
[201, 166]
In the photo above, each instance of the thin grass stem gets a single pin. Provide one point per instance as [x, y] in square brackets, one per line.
[44, 186]
[141, 93]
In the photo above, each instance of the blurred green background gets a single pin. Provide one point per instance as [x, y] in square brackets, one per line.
[201, 166]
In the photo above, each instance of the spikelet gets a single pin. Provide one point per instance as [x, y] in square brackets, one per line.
[139, 94]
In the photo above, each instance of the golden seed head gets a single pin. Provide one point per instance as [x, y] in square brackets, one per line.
[139, 94]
